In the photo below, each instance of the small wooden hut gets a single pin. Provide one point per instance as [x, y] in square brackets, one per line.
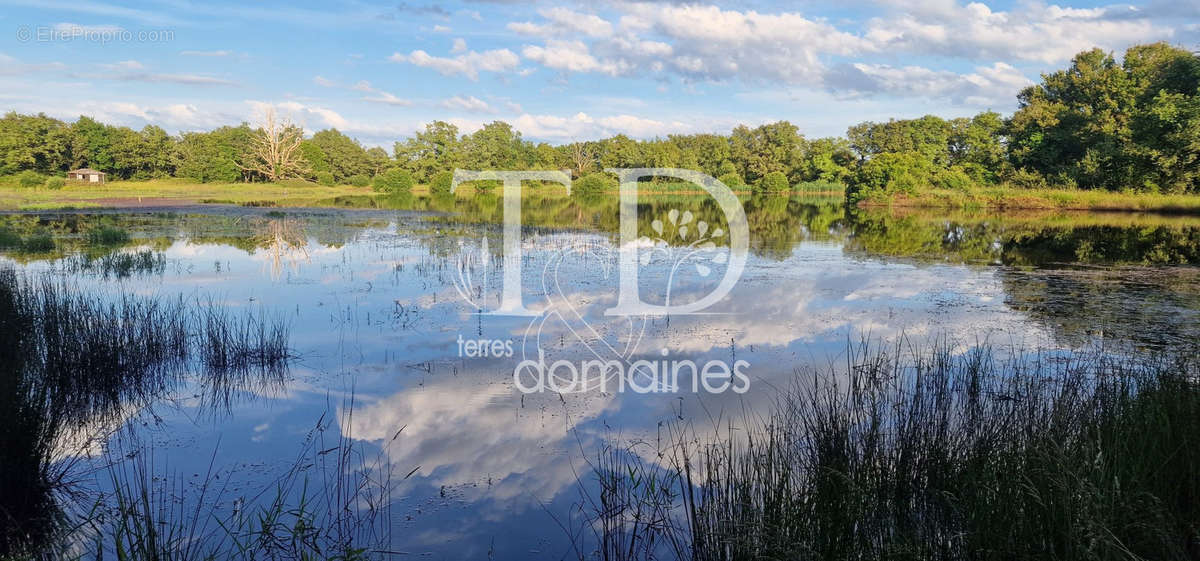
[86, 174]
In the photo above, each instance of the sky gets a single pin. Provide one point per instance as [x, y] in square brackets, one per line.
[558, 71]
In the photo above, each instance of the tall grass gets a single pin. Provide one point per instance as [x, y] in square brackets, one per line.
[934, 455]
[69, 359]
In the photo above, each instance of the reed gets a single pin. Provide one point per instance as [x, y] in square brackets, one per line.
[72, 359]
[906, 454]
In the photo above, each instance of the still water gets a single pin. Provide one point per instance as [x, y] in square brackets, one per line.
[394, 357]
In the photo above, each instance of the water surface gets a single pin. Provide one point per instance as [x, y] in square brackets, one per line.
[379, 302]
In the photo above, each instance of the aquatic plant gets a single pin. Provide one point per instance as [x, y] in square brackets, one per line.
[934, 455]
[108, 235]
[70, 359]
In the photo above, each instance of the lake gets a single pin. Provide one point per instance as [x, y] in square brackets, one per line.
[397, 359]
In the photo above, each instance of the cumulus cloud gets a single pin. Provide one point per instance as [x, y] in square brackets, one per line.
[467, 64]
[988, 86]
[573, 56]
[1034, 32]
[694, 41]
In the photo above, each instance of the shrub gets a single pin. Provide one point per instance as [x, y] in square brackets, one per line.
[30, 179]
[325, 178]
[358, 180]
[440, 183]
[55, 183]
[9, 238]
[593, 184]
[1027, 179]
[731, 180]
[38, 243]
[954, 178]
[108, 235]
[393, 181]
[774, 182]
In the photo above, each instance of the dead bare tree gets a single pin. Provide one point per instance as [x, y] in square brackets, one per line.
[581, 158]
[275, 149]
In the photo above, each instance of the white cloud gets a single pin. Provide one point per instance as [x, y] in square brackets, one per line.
[571, 56]
[564, 21]
[467, 64]
[322, 81]
[988, 86]
[377, 95]
[1035, 32]
[460, 46]
[468, 103]
[693, 41]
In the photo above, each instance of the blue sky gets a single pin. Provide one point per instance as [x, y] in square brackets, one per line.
[558, 71]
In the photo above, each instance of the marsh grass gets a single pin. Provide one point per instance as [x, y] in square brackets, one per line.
[108, 235]
[71, 359]
[115, 264]
[930, 454]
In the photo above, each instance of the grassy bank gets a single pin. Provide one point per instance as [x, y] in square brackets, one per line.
[1013, 198]
[169, 192]
[930, 455]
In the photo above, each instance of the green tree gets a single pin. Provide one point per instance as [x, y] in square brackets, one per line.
[91, 145]
[344, 155]
[428, 152]
[774, 182]
[767, 148]
[495, 146]
[34, 142]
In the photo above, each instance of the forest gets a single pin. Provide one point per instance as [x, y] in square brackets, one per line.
[1129, 125]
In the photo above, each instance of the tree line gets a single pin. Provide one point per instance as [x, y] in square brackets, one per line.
[1099, 124]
